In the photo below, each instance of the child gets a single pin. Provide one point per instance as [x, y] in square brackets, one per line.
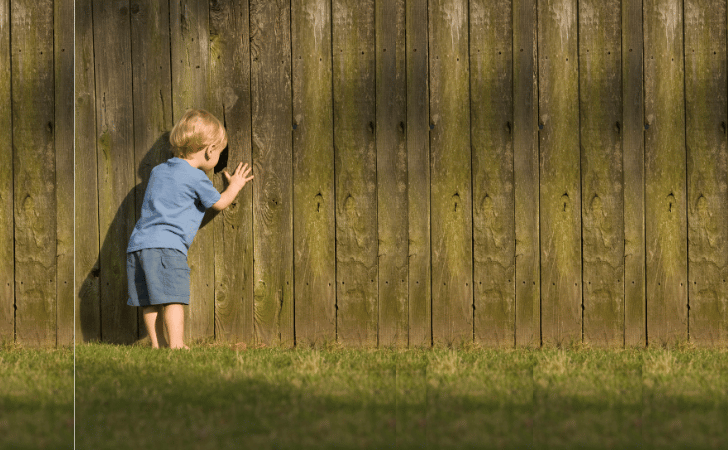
[174, 204]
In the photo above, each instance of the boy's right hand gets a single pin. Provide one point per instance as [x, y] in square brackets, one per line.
[239, 177]
[236, 181]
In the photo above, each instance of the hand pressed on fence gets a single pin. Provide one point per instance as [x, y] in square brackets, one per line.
[175, 201]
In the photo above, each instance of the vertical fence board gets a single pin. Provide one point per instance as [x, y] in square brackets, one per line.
[634, 173]
[189, 39]
[706, 106]
[601, 160]
[355, 169]
[491, 84]
[391, 110]
[230, 82]
[86, 206]
[526, 173]
[313, 174]
[152, 90]
[418, 174]
[34, 172]
[152, 96]
[115, 140]
[7, 258]
[665, 214]
[63, 138]
[273, 194]
[451, 218]
[561, 303]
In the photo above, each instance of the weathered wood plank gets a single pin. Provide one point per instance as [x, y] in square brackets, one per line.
[190, 34]
[633, 144]
[230, 83]
[115, 141]
[86, 208]
[7, 258]
[63, 138]
[34, 172]
[313, 174]
[418, 174]
[152, 95]
[561, 299]
[491, 109]
[526, 173]
[451, 216]
[600, 87]
[391, 111]
[706, 106]
[665, 213]
[355, 168]
[270, 50]
[150, 43]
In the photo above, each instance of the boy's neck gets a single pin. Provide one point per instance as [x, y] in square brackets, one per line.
[196, 160]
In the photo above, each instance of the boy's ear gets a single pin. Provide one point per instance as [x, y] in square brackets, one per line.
[208, 150]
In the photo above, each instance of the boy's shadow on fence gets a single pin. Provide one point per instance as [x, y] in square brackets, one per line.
[103, 312]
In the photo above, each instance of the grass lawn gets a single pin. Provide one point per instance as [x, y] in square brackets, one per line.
[36, 398]
[220, 397]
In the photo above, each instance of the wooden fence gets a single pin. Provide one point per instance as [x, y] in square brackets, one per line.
[36, 172]
[508, 172]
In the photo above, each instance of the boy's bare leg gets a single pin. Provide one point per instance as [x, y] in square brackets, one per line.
[154, 325]
[159, 326]
[174, 318]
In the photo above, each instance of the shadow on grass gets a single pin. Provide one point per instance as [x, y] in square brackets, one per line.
[217, 397]
[292, 399]
[36, 398]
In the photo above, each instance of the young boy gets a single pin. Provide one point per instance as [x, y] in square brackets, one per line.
[174, 204]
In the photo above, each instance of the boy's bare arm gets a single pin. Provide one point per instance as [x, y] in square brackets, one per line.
[236, 181]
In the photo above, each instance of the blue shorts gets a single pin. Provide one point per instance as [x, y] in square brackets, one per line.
[157, 276]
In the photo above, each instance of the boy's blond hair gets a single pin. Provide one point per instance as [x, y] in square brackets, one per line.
[196, 130]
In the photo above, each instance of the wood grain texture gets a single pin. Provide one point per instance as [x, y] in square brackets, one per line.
[152, 97]
[7, 248]
[451, 217]
[706, 106]
[381, 143]
[600, 82]
[230, 86]
[561, 299]
[313, 174]
[391, 110]
[491, 108]
[633, 145]
[189, 38]
[63, 138]
[86, 208]
[526, 173]
[418, 174]
[665, 190]
[115, 141]
[270, 52]
[355, 168]
[34, 162]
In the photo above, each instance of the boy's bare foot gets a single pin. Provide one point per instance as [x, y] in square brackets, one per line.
[183, 347]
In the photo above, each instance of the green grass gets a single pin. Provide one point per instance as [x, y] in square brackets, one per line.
[36, 398]
[215, 396]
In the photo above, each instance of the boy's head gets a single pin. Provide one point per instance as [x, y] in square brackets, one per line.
[195, 131]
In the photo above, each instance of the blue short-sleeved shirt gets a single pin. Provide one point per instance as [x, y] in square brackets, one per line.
[174, 203]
